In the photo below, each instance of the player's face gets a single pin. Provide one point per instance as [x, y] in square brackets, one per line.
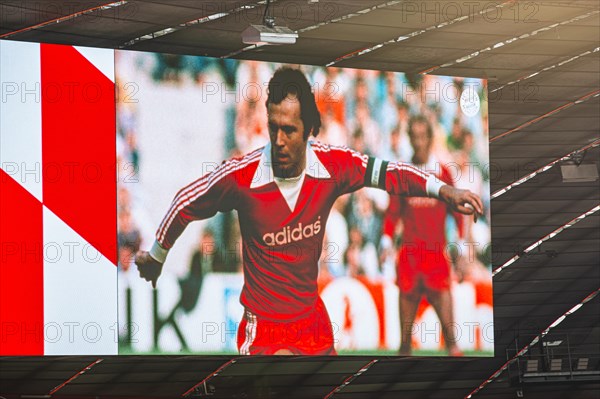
[286, 130]
[421, 142]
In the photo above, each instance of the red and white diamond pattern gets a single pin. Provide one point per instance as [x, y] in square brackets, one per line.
[58, 279]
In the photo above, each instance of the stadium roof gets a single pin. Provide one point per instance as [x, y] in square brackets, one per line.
[542, 60]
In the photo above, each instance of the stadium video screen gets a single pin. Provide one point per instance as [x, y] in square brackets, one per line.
[272, 240]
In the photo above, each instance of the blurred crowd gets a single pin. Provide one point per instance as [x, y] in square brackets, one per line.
[368, 111]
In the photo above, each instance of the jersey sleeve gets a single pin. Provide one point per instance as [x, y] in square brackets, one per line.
[351, 166]
[397, 178]
[407, 180]
[203, 198]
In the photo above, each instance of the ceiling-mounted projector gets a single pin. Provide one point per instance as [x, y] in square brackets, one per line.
[262, 34]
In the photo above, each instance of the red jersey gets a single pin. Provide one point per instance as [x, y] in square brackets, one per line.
[281, 246]
[424, 219]
[422, 254]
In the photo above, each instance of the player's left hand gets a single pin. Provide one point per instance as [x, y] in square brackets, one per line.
[463, 201]
[148, 267]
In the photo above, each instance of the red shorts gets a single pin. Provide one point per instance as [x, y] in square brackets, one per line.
[309, 335]
[421, 270]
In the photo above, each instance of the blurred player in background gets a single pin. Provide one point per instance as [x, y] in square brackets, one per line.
[283, 193]
[423, 267]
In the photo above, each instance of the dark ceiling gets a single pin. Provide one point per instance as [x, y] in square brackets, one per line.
[542, 59]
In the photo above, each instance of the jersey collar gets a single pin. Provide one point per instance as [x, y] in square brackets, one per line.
[264, 172]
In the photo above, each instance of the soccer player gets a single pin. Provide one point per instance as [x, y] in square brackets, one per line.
[283, 193]
[422, 267]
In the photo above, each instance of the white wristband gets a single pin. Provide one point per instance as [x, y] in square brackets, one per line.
[158, 253]
[433, 186]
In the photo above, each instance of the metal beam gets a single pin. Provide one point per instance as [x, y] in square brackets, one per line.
[580, 100]
[184, 25]
[530, 176]
[208, 378]
[59, 20]
[477, 53]
[417, 33]
[350, 378]
[545, 69]
[539, 242]
[79, 373]
[524, 350]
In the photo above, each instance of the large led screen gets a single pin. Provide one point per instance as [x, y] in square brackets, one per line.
[202, 142]
[295, 208]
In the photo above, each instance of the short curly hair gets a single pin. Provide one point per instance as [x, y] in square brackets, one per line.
[287, 81]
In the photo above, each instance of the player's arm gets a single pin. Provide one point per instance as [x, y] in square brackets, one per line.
[203, 198]
[406, 179]
[398, 178]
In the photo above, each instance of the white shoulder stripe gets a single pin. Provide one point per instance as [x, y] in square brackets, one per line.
[193, 192]
[408, 167]
[318, 146]
[199, 187]
[224, 165]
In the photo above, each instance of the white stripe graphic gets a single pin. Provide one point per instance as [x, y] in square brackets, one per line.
[21, 114]
[80, 294]
[102, 59]
[251, 325]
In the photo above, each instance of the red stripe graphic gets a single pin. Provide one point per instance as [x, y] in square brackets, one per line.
[21, 271]
[79, 146]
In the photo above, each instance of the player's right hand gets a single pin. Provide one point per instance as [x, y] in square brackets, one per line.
[463, 201]
[148, 267]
